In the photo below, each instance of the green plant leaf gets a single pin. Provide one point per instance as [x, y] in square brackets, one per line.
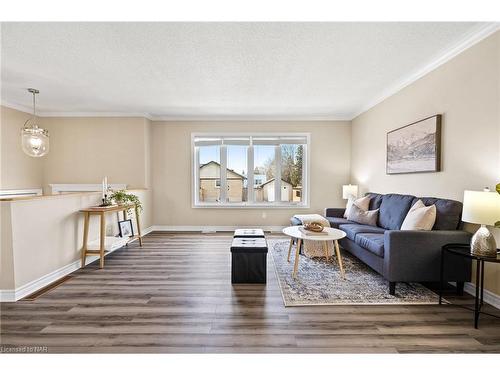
[497, 224]
[498, 188]
[123, 197]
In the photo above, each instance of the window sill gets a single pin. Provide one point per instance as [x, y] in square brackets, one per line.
[251, 205]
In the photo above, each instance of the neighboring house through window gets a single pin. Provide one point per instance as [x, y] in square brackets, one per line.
[257, 170]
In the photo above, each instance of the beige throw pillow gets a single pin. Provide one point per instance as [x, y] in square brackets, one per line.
[360, 216]
[362, 203]
[420, 217]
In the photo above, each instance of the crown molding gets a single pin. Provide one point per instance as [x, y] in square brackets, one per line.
[95, 114]
[29, 110]
[301, 117]
[468, 41]
[177, 118]
[17, 107]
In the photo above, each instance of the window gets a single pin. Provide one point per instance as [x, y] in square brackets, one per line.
[236, 173]
[209, 173]
[264, 168]
[258, 170]
[291, 171]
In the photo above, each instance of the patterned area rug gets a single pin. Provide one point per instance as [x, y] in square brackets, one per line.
[320, 283]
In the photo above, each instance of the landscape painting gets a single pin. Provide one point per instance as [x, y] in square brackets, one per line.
[415, 148]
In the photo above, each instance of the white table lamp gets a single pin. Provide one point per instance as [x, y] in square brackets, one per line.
[482, 207]
[349, 191]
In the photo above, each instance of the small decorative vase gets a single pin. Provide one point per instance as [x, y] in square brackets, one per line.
[483, 243]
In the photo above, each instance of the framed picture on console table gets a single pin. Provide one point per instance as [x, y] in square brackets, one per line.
[415, 148]
[126, 229]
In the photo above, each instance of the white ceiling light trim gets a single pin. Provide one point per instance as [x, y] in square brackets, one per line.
[475, 37]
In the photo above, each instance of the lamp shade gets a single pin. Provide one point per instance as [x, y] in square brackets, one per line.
[481, 207]
[349, 190]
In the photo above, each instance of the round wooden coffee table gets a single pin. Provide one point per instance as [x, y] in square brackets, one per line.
[331, 235]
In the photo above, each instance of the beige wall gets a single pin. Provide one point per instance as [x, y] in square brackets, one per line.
[82, 150]
[330, 154]
[18, 170]
[466, 90]
[85, 149]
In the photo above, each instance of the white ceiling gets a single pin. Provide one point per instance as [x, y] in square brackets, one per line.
[221, 70]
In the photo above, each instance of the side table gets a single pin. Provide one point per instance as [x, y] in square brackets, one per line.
[464, 251]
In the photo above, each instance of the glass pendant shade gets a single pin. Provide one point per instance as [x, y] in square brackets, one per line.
[34, 140]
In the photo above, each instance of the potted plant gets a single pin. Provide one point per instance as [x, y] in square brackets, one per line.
[121, 197]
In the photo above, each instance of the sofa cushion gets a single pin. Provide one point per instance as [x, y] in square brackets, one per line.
[393, 210]
[375, 200]
[336, 221]
[448, 212]
[373, 242]
[352, 230]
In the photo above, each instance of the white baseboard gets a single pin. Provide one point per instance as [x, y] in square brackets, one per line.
[33, 286]
[147, 230]
[488, 297]
[12, 295]
[214, 228]
[8, 295]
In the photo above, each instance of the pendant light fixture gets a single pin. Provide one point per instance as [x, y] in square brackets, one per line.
[34, 140]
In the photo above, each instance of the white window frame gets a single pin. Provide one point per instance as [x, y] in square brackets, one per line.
[250, 177]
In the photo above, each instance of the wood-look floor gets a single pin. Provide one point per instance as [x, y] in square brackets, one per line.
[175, 295]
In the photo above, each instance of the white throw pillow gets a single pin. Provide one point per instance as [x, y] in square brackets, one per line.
[420, 217]
[362, 203]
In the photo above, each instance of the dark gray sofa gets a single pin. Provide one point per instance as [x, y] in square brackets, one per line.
[405, 256]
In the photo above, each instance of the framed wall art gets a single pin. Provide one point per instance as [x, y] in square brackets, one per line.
[415, 148]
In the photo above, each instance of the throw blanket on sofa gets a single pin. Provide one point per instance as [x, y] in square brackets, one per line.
[314, 249]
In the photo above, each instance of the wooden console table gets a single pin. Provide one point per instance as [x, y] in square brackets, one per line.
[101, 212]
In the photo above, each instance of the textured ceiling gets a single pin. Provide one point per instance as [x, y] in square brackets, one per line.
[217, 70]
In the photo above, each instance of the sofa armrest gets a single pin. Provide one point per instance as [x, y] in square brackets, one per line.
[411, 255]
[334, 212]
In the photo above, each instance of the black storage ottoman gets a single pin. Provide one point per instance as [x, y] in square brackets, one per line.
[249, 233]
[249, 261]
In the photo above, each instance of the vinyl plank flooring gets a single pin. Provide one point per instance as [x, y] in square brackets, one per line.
[174, 295]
